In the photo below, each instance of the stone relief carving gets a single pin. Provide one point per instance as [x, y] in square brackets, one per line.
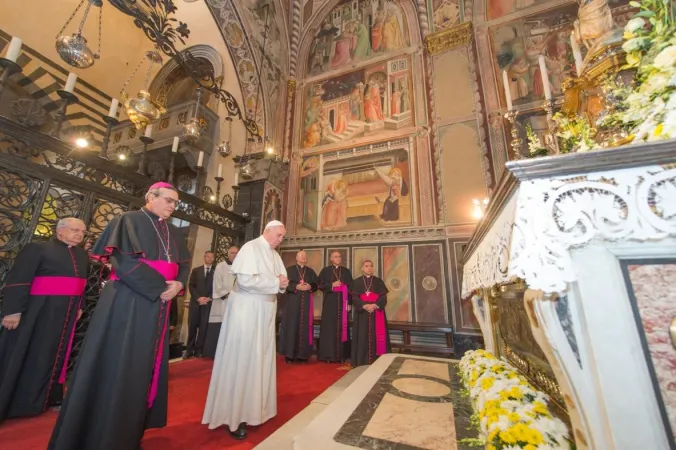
[629, 204]
[483, 269]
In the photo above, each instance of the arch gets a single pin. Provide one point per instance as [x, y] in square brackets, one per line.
[168, 71]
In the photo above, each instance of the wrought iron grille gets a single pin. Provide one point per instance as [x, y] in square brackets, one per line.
[42, 180]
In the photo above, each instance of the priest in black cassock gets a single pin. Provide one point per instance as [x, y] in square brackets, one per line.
[44, 298]
[120, 386]
[334, 332]
[296, 335]
[370, 334]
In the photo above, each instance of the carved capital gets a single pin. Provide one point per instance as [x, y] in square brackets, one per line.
[445, 40]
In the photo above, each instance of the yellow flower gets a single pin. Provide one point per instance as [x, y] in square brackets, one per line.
[540, 408]
[534, 437]
[530, 447]
[514, 417]
[507, 437]
[487, 383]
[491, 447]
[658, 129]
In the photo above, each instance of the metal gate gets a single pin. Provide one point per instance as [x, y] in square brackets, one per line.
[43, 181]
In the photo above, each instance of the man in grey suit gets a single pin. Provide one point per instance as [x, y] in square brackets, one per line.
[200, 287]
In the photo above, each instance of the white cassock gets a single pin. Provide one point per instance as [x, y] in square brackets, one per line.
[221, 288]
[243, 386]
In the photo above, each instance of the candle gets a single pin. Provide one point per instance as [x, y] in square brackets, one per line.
[508, 94]
[545, 78]
[220, 171]
[200, 159]
[112, 112]
[576, 54]
[14, 49]
[149, 131]
[174, 145]
[236, 176]
[70, 83]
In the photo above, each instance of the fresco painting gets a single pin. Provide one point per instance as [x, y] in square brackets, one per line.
[518, 45]
[348, 193]
[357, 30]
[357, 103]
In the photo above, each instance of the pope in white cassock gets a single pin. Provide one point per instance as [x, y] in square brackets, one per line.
[243, 386]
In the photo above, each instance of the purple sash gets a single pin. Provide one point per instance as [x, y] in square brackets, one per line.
[70, 286]
[343, 290]
[381, 342]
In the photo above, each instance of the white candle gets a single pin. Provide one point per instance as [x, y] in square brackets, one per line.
[149, 131]
[236, 176]
[70, 83]
[200, 159]
[174, 145]
[112, 112]
[220, 171]
[576, 54]
[545, 78]
[508, 94]
[13, 49]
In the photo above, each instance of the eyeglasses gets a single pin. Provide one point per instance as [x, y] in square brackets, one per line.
[171, 201]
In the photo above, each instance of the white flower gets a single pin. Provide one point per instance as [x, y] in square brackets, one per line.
[666, 58]
[634, 44]
[656, 83]
[634, 25]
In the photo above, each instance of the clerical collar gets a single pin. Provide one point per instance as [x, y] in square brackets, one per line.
[151, 214]
[368, 276]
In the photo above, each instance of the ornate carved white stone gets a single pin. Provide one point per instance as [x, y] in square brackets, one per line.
[483, 269]
[557, 215]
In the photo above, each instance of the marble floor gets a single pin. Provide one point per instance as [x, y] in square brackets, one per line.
[400, 402]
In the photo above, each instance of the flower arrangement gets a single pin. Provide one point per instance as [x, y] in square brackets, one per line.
[575, 133]
[647, 111]
[535, 147]
[512, 415]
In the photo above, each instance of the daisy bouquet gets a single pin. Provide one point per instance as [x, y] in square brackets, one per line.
[512, 415]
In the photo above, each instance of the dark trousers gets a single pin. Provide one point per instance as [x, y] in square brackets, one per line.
[198, 321]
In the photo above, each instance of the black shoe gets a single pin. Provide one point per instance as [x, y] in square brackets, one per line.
[288, 360]
[240, 433]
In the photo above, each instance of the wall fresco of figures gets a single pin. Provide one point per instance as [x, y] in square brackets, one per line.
[358, 103]
[357, 30]
[360, 190]
[517, 46]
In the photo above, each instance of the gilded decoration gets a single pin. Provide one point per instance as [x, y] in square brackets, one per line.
[291, 87]
[515, 341]
[443, 41]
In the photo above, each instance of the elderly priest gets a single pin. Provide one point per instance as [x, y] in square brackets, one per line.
[243, 386]
[120, 384]
[43, 300]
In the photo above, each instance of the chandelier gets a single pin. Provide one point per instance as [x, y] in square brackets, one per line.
[224, 149]
[142, 110]
[73, 50]
[192, 131]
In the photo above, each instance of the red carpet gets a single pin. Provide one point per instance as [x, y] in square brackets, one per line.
[297, 386]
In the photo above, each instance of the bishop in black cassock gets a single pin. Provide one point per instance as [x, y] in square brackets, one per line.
[296, 335]
[44, 298]
[120, 385]
[334, 332]
[370, 334]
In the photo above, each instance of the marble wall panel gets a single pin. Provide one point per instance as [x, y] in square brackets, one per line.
[396, 273]
[429, 283]
[651, 291]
